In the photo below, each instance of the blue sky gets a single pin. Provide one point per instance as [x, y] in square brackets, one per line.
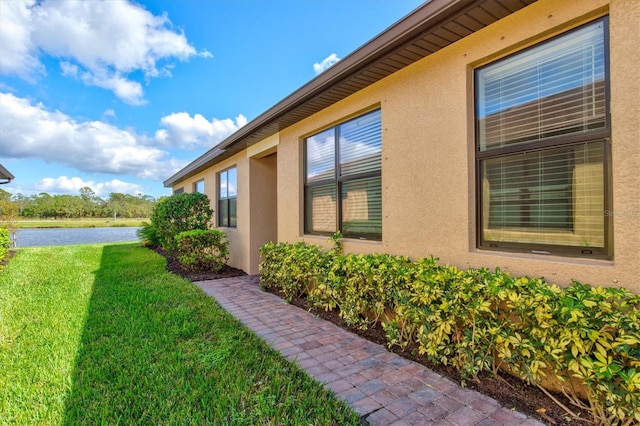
[118, 96]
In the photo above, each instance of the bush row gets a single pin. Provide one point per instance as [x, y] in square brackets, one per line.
[585, 339]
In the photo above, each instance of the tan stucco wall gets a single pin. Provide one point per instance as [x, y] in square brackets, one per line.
[239, 237]
[428, 168]
[256, 202]
[264, 207]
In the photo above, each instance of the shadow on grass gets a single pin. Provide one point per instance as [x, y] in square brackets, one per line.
[156, 350]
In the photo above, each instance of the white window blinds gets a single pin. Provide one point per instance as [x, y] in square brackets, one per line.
[554, 196]
[360, 145]
[343, 185]
[553, 89]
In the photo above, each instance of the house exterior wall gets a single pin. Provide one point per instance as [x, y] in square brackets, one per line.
[256, 201]
[428, 163]
[263, 208]
[239, 237]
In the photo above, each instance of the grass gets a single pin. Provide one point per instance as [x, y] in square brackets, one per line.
[102, 334]
[79, 223]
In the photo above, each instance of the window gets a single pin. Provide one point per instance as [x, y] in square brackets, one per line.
[542, 134]
[227, 198]
[343, 189]
[199, 186]
[178, 190]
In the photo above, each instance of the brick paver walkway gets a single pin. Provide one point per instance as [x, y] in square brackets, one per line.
[382, 387]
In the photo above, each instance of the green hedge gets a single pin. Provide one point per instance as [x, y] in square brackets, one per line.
[202, 250]
[5, 241]
[480, 320]
[179, 213]
[290, 267]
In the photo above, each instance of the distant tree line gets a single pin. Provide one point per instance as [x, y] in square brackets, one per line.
[85, 205]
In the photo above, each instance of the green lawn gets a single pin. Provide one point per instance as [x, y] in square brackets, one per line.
[102, 334]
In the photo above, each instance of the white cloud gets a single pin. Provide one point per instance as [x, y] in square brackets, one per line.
[129, 91]
[93, 41]
[6, 88]
[32, 131]
[205, 54]
[72, 186]
[181, 130]
[330, 60]
[68, 69]
[15, 40]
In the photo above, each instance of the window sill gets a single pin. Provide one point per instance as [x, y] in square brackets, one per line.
[553, 258]
[317, 239]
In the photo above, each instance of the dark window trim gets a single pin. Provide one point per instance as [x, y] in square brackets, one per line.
[544, 144]
[603, 135]
[195, 185]
[227, 200]
[338, 180]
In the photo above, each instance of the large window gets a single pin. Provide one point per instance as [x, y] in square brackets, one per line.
[227, 198]
[542, 147]
[343, 189]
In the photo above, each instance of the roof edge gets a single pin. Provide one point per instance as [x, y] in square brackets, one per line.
[399, 33]
[5, 175]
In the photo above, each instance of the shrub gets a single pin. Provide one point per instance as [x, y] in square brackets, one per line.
[479, 320]
[361, 286]
[179, 213]
[5, 242]
[148, 234]
[599, 344]
[291, 268]
[202, 249]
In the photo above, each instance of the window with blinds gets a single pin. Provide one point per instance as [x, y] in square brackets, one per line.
[227, 198]
[343, 189]
[542, 143]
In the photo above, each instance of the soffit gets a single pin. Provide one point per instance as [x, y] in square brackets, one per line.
[431, 27]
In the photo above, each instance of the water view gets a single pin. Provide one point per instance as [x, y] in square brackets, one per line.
[66, 236]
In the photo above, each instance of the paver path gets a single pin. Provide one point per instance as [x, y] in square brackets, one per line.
[383, 387]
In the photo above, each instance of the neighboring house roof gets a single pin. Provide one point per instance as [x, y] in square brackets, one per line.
[429, 28]
[5, 175]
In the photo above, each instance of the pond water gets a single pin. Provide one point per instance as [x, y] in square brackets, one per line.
[66, 236]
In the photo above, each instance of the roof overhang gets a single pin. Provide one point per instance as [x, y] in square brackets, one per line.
[5, 175]
[429, 28]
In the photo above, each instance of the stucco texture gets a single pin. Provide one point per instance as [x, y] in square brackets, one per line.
[428, 164]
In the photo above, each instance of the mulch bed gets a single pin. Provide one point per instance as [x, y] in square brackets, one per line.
[174, 266]
[511, 392]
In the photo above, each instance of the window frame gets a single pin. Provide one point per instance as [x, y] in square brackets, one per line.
[546, 144]
[227, 200]
[339, 181]
[195, 186]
